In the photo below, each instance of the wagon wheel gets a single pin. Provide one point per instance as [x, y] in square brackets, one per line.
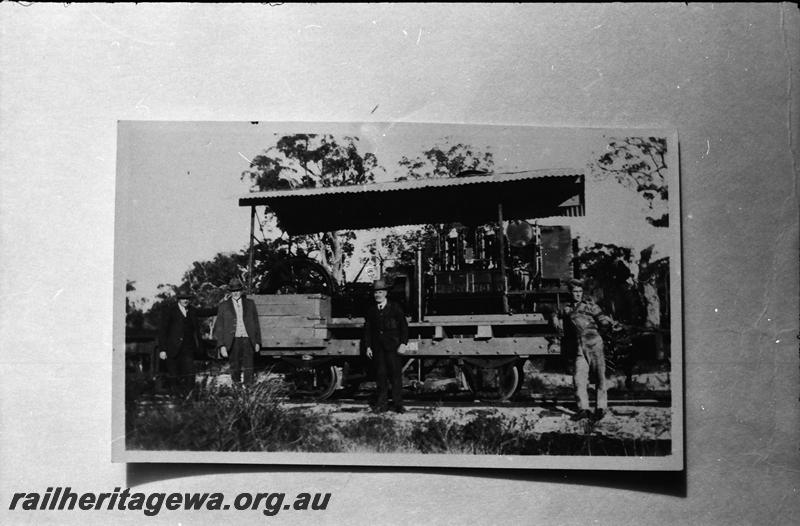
[495, 383]
[316, 383]
[299, 276]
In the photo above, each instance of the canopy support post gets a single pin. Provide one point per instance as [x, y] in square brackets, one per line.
[501, 243]
[250, 259]
[419, 282]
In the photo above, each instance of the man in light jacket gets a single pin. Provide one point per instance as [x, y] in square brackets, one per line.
[238, 333]
[582, 321]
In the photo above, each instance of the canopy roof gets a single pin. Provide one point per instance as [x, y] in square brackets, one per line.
[469, 200]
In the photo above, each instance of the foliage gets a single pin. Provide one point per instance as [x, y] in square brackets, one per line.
[640, 302]
[208, 280]
[310, 161]
[224, 418]
[134, 311]
[399, 246]
[217, 271]
[441, 160]
[137, 386]
[375, 433]
[435, 434]
[639, 163]
[654, 288]
[486, 432]
[315, 161]
[609, 280]
[444, 160]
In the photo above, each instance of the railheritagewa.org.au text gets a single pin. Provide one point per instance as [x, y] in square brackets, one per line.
[65, 499]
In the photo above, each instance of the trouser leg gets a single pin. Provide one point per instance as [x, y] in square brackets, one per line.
[247, 361]
[600, 371]
[581, 380]
[235, 360]
[395, 373]
[241, 360]
[186, 369]
[171, 366]
[381, 377]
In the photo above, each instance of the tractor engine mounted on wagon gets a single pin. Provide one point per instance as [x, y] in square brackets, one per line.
[478, 303]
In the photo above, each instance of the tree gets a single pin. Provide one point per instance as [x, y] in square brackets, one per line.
[208, 280]
[606, 270]
[637, 299]
[134, 315]
[640, 302]
[443, 160]
[315, 161]
[399, 247]
[639, 163]
[164, 298]
[653, 275]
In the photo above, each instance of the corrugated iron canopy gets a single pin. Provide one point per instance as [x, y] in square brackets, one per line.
[474, 199]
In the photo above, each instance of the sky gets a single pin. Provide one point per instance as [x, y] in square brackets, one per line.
[178, 183]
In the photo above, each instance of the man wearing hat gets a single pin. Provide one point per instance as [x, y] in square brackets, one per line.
[386, 335]
[178, 339]
[238, 333]
[581, 323]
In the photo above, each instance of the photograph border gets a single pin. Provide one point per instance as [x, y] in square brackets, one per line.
[672, 462]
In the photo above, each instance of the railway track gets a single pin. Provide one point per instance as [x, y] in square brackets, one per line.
[532, 402]
[427, 401]
[417, 396]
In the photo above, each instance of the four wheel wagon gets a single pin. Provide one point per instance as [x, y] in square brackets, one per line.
[478, 294]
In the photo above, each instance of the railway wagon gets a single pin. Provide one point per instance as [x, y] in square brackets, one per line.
[477, 291]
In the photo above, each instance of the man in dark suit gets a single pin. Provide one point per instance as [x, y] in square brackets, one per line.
[385, 338]
[178, 339]
[238, 333]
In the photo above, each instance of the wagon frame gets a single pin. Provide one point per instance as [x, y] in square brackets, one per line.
[483, 351]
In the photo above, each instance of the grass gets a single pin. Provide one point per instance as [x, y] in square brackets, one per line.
[225, 418]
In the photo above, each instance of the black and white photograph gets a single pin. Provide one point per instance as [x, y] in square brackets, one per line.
[399, 263]
[402, 293]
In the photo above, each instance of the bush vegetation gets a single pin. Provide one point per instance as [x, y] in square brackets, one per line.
[224, 418]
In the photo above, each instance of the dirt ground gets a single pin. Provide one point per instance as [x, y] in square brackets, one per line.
[545, 404]
[623, 422]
